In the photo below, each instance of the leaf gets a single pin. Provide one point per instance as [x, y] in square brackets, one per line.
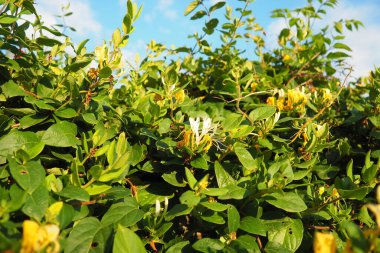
[342, 46]
[62, 134]
[233, 219]
[189, 198]
[77, 65]
[36, 203]
[82, 235]
[29, 175]
[253, 225]
[208, 245]
[127, 241]
[124, 213]
[191, 7]
[177, 210]
[74, 192]
[232, 121]
[198, 15]
[11, 89]
[216, 6]
[45, 41]
[214, 206]
[66, 113]
[213, 217]
[245, 157]
[288, 201]
[286, 232]
[199, 163]
[31, 120]
[14, 141]
[222, 177]
[337, 55]
[263, 112]
[105, 72]
[179, 247]
[6, 19]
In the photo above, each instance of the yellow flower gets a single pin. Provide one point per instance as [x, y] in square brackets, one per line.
[280, 103]
[324, 243]
[321, 190]
[296, 100]
[180, 96]
[335, 193]
[326, 95]
[253, 86]
[286, 57]
[270, 101]
[37, 237]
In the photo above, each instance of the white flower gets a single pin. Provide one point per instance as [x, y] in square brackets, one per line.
[194, 125]
[207, 128]
[158, 208]
[166, 202]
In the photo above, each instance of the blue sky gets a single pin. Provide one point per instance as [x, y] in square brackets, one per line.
[163, 21]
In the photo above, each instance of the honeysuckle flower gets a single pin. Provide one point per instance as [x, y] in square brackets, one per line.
[199, 135]
[38, 237]
[321, 190]
[326, 95]
[158, 208]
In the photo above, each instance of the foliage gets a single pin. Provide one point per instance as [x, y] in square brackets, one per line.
[199, 149]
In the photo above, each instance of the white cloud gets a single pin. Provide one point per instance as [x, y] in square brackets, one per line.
[82, 19]
[165, 6]
[364, 43]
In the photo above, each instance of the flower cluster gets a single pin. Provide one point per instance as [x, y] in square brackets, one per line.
[295, 99]
[197, 138]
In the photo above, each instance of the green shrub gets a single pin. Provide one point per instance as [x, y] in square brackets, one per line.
[200, 149]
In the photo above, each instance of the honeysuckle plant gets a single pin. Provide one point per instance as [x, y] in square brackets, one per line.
[200, 148]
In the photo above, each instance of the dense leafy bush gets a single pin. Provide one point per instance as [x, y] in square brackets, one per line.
[200, 149]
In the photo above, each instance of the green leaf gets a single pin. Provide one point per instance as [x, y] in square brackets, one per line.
[179, 247]
[189, 198]
[232, 121]
[62, 134]
[337, 55]
[214, 206]
[16, 140]
[286, 232]
[7, 19]
[29, 175]
[342, 46]
[178, 210]
[288, 201]
[190, 178]
[11, 89]
[199, 163]
[191, 7]
[82, 235]
[124, 213]
[213, 217]
[126, 241]
[31, 120]
[216, 6]
[105, 72]
[263, 112]
[74, 192]
[198, 15]
[359, 243]
[233, 219]
[245, 157]
[77, 65]
[208, 245]
[222, 177]
[66, 113]
[49, 42]
[253, 225]
[36, 203]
